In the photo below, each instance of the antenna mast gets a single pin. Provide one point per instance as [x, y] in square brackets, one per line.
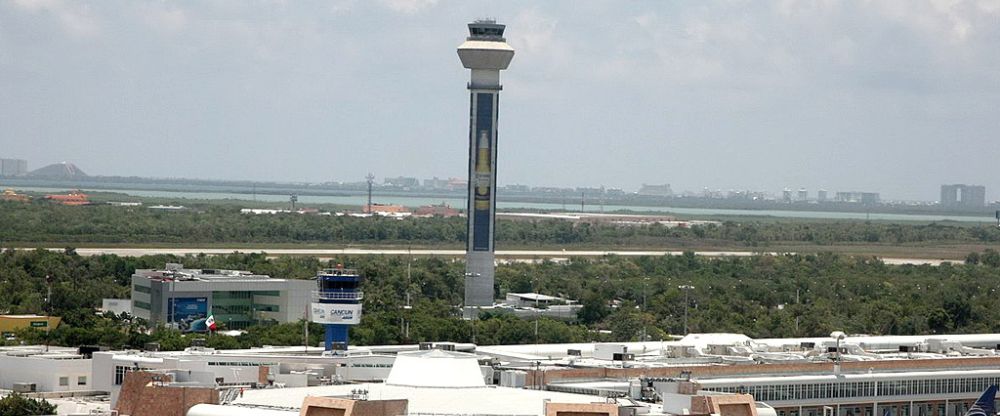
[371, 179]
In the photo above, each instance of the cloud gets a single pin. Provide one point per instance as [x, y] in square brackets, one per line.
[164, 17]
[76, 19]
[409, 6]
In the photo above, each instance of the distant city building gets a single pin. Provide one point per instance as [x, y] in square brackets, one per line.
[655, 190]
[821, 195]
[13, 167]
[803, 195]
[516, 188]
[963, 196]
[402, 182]
[590, 190]
[854, 197]
[786, 195]
[436, 183]
[237, 299]
[457, 184]
[615, 192]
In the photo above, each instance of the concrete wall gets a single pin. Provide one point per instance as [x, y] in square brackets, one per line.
[329, 406]
[45, 373]
[580, 409]
[724, 405]
[141, 397]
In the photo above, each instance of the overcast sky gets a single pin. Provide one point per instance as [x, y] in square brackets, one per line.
[896, 96]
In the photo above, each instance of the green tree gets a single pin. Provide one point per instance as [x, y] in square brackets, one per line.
[18, 405]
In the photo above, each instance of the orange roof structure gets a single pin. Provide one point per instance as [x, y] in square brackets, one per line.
[384, 209]
[10, 195]
[73, 198]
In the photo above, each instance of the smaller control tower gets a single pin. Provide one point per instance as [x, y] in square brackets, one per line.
[337, 304]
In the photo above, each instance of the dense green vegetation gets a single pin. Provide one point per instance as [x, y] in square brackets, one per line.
[762, 296]
[40, 222]
[18, 405]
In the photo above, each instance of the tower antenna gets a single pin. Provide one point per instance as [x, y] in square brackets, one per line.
[371, 179]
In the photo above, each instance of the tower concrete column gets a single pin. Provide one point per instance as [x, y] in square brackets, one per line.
[485, 52]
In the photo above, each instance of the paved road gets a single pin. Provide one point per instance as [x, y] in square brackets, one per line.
[511, 254]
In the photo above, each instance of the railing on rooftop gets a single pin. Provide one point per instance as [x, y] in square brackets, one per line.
[338, 272]
[358, 295]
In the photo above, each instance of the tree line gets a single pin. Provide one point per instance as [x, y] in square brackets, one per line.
[40, 222]
[623, 298]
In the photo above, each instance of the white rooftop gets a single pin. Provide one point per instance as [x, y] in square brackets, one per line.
[436, 368]
[489, 400]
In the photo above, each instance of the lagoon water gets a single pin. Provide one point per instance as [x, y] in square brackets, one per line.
[359, 200]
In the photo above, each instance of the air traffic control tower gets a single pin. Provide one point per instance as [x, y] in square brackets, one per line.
[485, 52]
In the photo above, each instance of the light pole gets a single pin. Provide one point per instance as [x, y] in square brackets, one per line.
[645, 280]
[686, 289]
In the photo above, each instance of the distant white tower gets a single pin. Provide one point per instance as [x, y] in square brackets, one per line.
[485, 52]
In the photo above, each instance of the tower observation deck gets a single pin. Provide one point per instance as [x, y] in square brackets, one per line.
[337, 304]
[485, 52]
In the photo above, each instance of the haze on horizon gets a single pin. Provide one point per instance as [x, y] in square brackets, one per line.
[894, 96]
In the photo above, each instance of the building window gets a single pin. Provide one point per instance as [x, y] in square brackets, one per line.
[267, 293]
[142, 289]
[63, 381]
[81, 381]
[142, 305]
[121, 371]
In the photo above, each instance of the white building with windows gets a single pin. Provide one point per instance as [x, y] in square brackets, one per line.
[41, 369]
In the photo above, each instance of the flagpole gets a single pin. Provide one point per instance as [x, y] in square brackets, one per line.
[305, 326]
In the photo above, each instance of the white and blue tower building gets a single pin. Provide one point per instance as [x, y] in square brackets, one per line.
[337, 305]
[485, 52]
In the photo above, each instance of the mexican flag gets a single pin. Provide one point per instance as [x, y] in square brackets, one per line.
[210, 322]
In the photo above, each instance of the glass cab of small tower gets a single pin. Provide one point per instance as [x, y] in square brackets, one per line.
[486, 30]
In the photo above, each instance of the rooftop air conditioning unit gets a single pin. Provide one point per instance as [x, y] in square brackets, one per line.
[426, 346]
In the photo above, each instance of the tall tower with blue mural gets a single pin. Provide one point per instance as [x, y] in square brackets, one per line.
[485, 52]
[337, 304]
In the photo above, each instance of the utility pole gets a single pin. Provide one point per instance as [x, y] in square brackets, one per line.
[406, 323]
[371, 179]
[645, 280]
[537, 290]
[686, 289]
[48, 313]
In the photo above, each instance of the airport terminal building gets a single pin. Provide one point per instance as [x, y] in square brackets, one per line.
[183, 298]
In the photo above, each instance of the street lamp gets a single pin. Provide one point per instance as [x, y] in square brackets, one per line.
[645, 280]
[686, 289]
